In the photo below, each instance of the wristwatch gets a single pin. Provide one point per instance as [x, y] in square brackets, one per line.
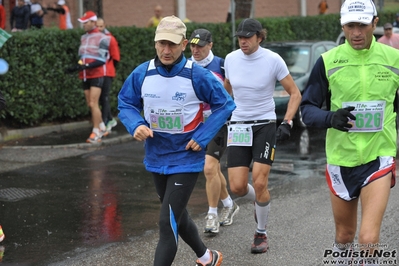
[289, 122]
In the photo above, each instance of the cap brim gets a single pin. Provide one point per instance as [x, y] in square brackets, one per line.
[84, 20]
[175, 38]
[246, 34]
[198, 42]
[364, 19]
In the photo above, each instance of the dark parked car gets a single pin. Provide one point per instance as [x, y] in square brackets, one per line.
[378, 33]
[300, 56]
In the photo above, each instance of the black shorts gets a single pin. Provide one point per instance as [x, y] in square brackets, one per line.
[217, 145]
[262, 149]
[95, 82]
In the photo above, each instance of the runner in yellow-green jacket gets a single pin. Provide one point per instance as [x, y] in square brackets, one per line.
[359, 80]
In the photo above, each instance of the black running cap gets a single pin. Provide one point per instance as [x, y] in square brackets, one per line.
[248, 28]
[200, 37]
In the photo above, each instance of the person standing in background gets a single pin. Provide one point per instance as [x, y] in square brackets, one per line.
[216, 186]
[389, 38]
[323, 6]
[36, 14]
[113, 59]
[93, 52]
[64, 15]
[396, 22]
[154, 20]
[19, 19]
[2, 16]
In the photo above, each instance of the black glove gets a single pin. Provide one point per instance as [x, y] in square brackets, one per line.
[283, 132]
[75, 68]
[339, 119]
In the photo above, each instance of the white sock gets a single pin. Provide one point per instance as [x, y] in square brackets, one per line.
[227, 202]
[102, 126]
[206, 258]
[251, 193]
[213, 210]
[262, 214]
[96, 130]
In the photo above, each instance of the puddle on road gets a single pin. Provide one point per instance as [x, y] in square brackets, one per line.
[102, 197]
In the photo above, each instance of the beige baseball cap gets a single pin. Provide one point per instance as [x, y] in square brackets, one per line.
[171, 29]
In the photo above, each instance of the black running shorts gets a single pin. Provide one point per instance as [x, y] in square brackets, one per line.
[262, 149]
[95, 82]
[217, 145]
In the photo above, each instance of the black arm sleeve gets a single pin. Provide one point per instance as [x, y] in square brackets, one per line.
[314, 95]
[94, 64]
[115, 63]
[58, 10]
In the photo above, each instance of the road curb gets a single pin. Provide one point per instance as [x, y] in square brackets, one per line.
[6, 134]
[104, 142]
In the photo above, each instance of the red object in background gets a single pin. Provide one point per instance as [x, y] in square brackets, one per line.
[2, 17]
[12, 4]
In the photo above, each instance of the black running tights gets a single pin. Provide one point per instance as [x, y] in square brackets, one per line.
[174, 191]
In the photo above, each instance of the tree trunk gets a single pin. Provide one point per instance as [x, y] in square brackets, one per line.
[96, 6]
[243, 8]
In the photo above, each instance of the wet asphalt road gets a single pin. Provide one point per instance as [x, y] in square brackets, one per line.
[85, 205]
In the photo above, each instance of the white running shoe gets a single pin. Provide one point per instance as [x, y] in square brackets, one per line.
[212, 224]
[226, 217]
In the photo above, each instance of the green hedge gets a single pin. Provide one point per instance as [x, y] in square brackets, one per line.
[38, 91]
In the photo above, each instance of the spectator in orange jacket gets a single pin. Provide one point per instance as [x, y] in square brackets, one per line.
[323, 7]
[64, 15]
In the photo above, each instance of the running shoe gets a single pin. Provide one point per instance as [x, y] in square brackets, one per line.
[260, 244]
[226, 217]
[212, 224]
[2, 236]
[104, 133]
[111, 123]
[217, 259]
[93, 138]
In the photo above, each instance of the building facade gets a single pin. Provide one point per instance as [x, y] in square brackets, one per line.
[137, 12]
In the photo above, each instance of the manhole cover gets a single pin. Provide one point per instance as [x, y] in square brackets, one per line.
[16, 194]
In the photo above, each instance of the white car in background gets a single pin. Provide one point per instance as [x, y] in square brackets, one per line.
[378, 32]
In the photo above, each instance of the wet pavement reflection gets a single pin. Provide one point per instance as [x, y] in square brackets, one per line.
[54, 210]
